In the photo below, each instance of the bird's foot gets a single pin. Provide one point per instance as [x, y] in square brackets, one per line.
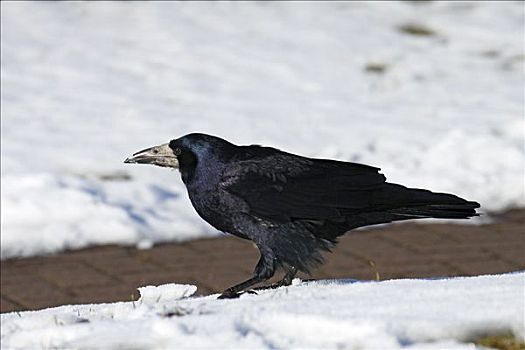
[226, 295]
[270, 286]
[275, 285]
[230, 294]
[285, 281]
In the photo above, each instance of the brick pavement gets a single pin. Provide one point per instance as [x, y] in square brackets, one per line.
[112, 273]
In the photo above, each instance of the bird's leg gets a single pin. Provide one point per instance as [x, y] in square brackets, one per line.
[263, 271]
[285, 281]
[288, 277]
[235, 291]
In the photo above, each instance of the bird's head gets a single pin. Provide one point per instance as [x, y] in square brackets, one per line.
[182, 153]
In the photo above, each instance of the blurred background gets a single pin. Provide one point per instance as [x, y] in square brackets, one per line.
[431, 92]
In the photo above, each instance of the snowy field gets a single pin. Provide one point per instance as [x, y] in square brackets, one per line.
[430, 92]
[343, 314]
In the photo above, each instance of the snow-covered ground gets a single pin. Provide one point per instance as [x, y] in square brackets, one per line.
[338, 314]
[85, 84]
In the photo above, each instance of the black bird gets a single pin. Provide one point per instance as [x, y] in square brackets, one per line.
[292, 207]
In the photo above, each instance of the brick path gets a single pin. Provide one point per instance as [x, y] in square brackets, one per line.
[112, 273]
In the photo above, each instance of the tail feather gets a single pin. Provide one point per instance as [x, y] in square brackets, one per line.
[401, 204]
[441, 211]
[427, 204]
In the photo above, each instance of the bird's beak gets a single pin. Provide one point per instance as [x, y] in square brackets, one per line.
[161, 155]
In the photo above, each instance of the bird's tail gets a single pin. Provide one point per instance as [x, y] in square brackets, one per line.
[427, 204]
[439, 211]
[397, 203]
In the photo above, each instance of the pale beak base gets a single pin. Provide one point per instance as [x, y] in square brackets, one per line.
[161, 155]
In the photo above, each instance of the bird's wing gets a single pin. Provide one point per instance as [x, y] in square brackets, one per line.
[283, 187]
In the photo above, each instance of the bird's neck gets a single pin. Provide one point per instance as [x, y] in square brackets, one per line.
[204, 175]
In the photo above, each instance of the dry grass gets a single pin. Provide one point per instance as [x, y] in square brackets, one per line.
[416, 29]
[374, 67]
[501, 342]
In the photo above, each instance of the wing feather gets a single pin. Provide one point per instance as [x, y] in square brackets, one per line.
[283, 187]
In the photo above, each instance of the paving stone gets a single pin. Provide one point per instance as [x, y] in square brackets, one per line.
[35, 294]
[8, 306]
[16, 273]
[341, 262]
[408, 250]
[219, 250]
[22, 263]
[362, 273]
[385, 257]
[169, 254]
[95, 252]
[454, 249]
[203, 262]
[363, 247]
[44, 303]
[227, 243]
[488, 234]
[122, 264]
[514, 229]
[483, 267]
[225, 279]
[513, 255]
[511, 216]
[388, 270]
[105, 294]
[74, 274]
[416, 239]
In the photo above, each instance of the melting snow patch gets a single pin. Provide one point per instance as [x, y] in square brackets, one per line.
[84, 86]
[165, 292]
[342, 314]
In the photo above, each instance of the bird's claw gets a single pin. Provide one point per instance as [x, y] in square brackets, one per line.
[228, 294]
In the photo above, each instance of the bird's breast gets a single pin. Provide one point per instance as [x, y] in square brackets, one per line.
[210, 207]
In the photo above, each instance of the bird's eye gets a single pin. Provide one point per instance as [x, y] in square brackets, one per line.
[178, 151]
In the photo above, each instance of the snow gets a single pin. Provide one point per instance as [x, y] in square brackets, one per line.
[166, 292]
[328, 314]
[84, 85]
